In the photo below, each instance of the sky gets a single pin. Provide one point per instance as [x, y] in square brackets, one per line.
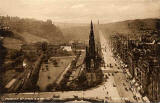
[81, 11]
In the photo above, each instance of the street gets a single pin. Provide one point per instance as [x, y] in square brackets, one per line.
[123, 87]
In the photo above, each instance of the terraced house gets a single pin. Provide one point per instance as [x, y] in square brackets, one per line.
[143, 63]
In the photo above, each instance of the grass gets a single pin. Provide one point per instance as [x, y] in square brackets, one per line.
[9, 75]
[53, 72]
[12, 43]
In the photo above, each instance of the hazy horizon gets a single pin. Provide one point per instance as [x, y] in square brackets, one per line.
[81, 11]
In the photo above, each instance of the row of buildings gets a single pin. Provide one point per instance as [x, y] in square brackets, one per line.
[143, 62]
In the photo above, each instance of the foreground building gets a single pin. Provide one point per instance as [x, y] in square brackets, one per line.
[143, 63]
[92, 60]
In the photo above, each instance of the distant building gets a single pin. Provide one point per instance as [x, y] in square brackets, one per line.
[26, 63]
[67, 48]
[78, 46]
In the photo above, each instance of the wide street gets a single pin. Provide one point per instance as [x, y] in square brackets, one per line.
[118, 79]
[116, 92]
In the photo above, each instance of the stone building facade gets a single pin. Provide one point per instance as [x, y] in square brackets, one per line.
[143, 60]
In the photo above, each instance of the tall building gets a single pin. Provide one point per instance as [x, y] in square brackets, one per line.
[90, 51]
[91, 43]
[93, 60]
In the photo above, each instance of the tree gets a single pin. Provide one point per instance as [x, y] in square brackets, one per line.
[49, 22]
[49, 87]
[55, 63]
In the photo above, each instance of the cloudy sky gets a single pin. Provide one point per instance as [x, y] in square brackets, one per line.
[81, 11]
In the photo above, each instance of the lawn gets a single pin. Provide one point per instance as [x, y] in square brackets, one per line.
[49, 72]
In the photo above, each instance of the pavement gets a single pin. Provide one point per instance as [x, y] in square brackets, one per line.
[123, 85]
[109, 86]
[62, 75]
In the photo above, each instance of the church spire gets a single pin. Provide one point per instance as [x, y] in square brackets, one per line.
[90, 51]
[91, 42]
[91, 31]
[91, 25]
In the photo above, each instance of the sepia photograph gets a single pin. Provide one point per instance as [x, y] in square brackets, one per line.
[79, 51]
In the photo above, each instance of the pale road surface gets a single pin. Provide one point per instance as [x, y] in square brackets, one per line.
[108, 59]
[111, 90]
[62, 75]
[120, 77]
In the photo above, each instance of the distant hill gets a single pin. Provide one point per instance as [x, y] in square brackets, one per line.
[76, 31]
[44, 29]
[69, 25]
[28, 30]
[133, 28]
